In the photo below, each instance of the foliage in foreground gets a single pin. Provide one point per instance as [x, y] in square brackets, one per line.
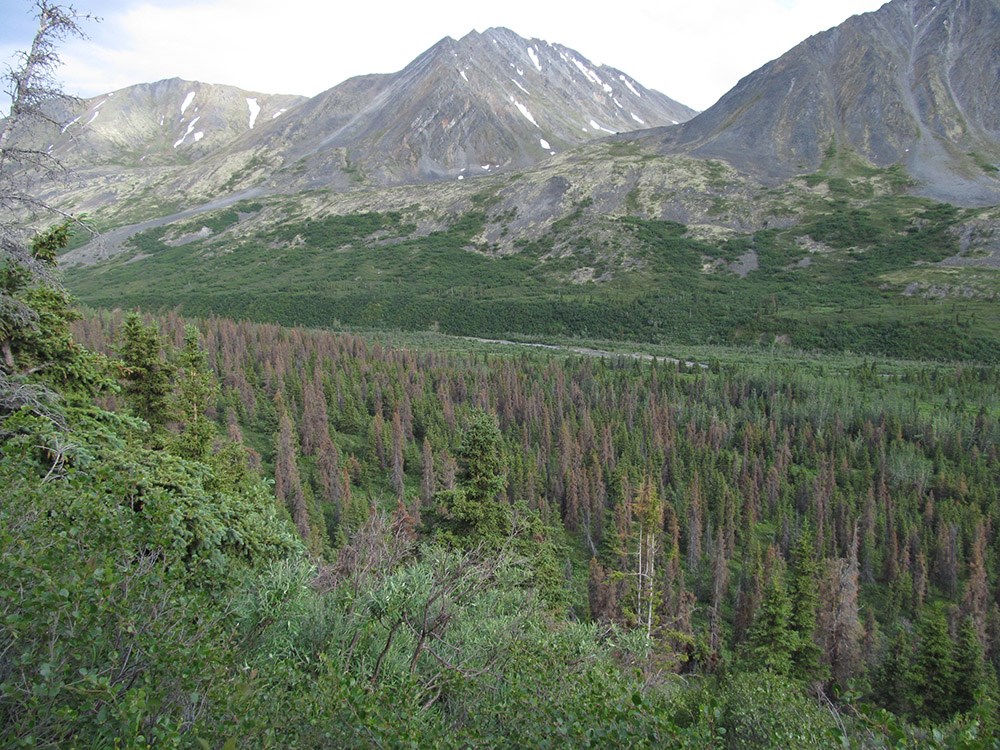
[154, 593]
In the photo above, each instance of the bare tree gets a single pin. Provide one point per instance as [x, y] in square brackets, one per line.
[33, 91]
[839, 625]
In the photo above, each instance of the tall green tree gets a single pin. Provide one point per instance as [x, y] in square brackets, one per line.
[196, 392]
[803, 592]
[771, 642]
[475, 511]
[970, 666]
[146, 373]
[891, 680]
[933, 675]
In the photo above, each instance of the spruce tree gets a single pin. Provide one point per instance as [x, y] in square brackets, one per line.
[145, 373]
[196, 393]
[475, 512]
[803, 591]
[970, 666]
[771, 641]
[933, 674]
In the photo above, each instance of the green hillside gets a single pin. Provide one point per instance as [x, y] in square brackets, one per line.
[852, 273]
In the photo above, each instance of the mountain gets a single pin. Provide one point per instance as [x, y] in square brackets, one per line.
[772, 217]
[485, 102]
[916, 83]
[161, 124]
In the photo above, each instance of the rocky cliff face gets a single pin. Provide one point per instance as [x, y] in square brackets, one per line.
[915, 83]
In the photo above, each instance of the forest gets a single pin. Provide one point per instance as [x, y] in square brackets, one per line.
[238, 534]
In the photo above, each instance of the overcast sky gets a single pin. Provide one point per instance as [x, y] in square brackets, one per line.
[693, 51]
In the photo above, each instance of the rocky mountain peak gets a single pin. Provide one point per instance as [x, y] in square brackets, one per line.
[489, 101]
[914, 83]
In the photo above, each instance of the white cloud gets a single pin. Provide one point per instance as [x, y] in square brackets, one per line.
[693, 52]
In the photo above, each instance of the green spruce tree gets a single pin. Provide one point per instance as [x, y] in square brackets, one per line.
[145, 373]
[933, 674]
[195, 394]
[803, 591]
[771, 641]
[475, 511]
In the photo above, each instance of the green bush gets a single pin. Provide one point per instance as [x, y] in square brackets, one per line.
[761, 710]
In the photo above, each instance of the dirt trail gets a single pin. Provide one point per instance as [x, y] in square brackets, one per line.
[587, 351]
[112, 243]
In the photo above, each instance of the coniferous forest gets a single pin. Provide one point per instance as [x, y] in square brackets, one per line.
[472, 548]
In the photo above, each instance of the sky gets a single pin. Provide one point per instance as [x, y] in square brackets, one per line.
[692, 51]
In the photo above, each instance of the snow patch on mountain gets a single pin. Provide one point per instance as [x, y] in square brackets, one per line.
[524, 111]
[254, 111]
[545, 144]
[590, 74]
[637, 119]
[534, 58]
[97, 111]
[629, 86]
[517, 83]
[187, 102]
[465, 77]
[189, 131]
[594, 124]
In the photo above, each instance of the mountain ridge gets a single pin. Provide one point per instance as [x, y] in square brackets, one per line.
[162, 123]
[488, 102]
[913, 83]
[460, 108]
